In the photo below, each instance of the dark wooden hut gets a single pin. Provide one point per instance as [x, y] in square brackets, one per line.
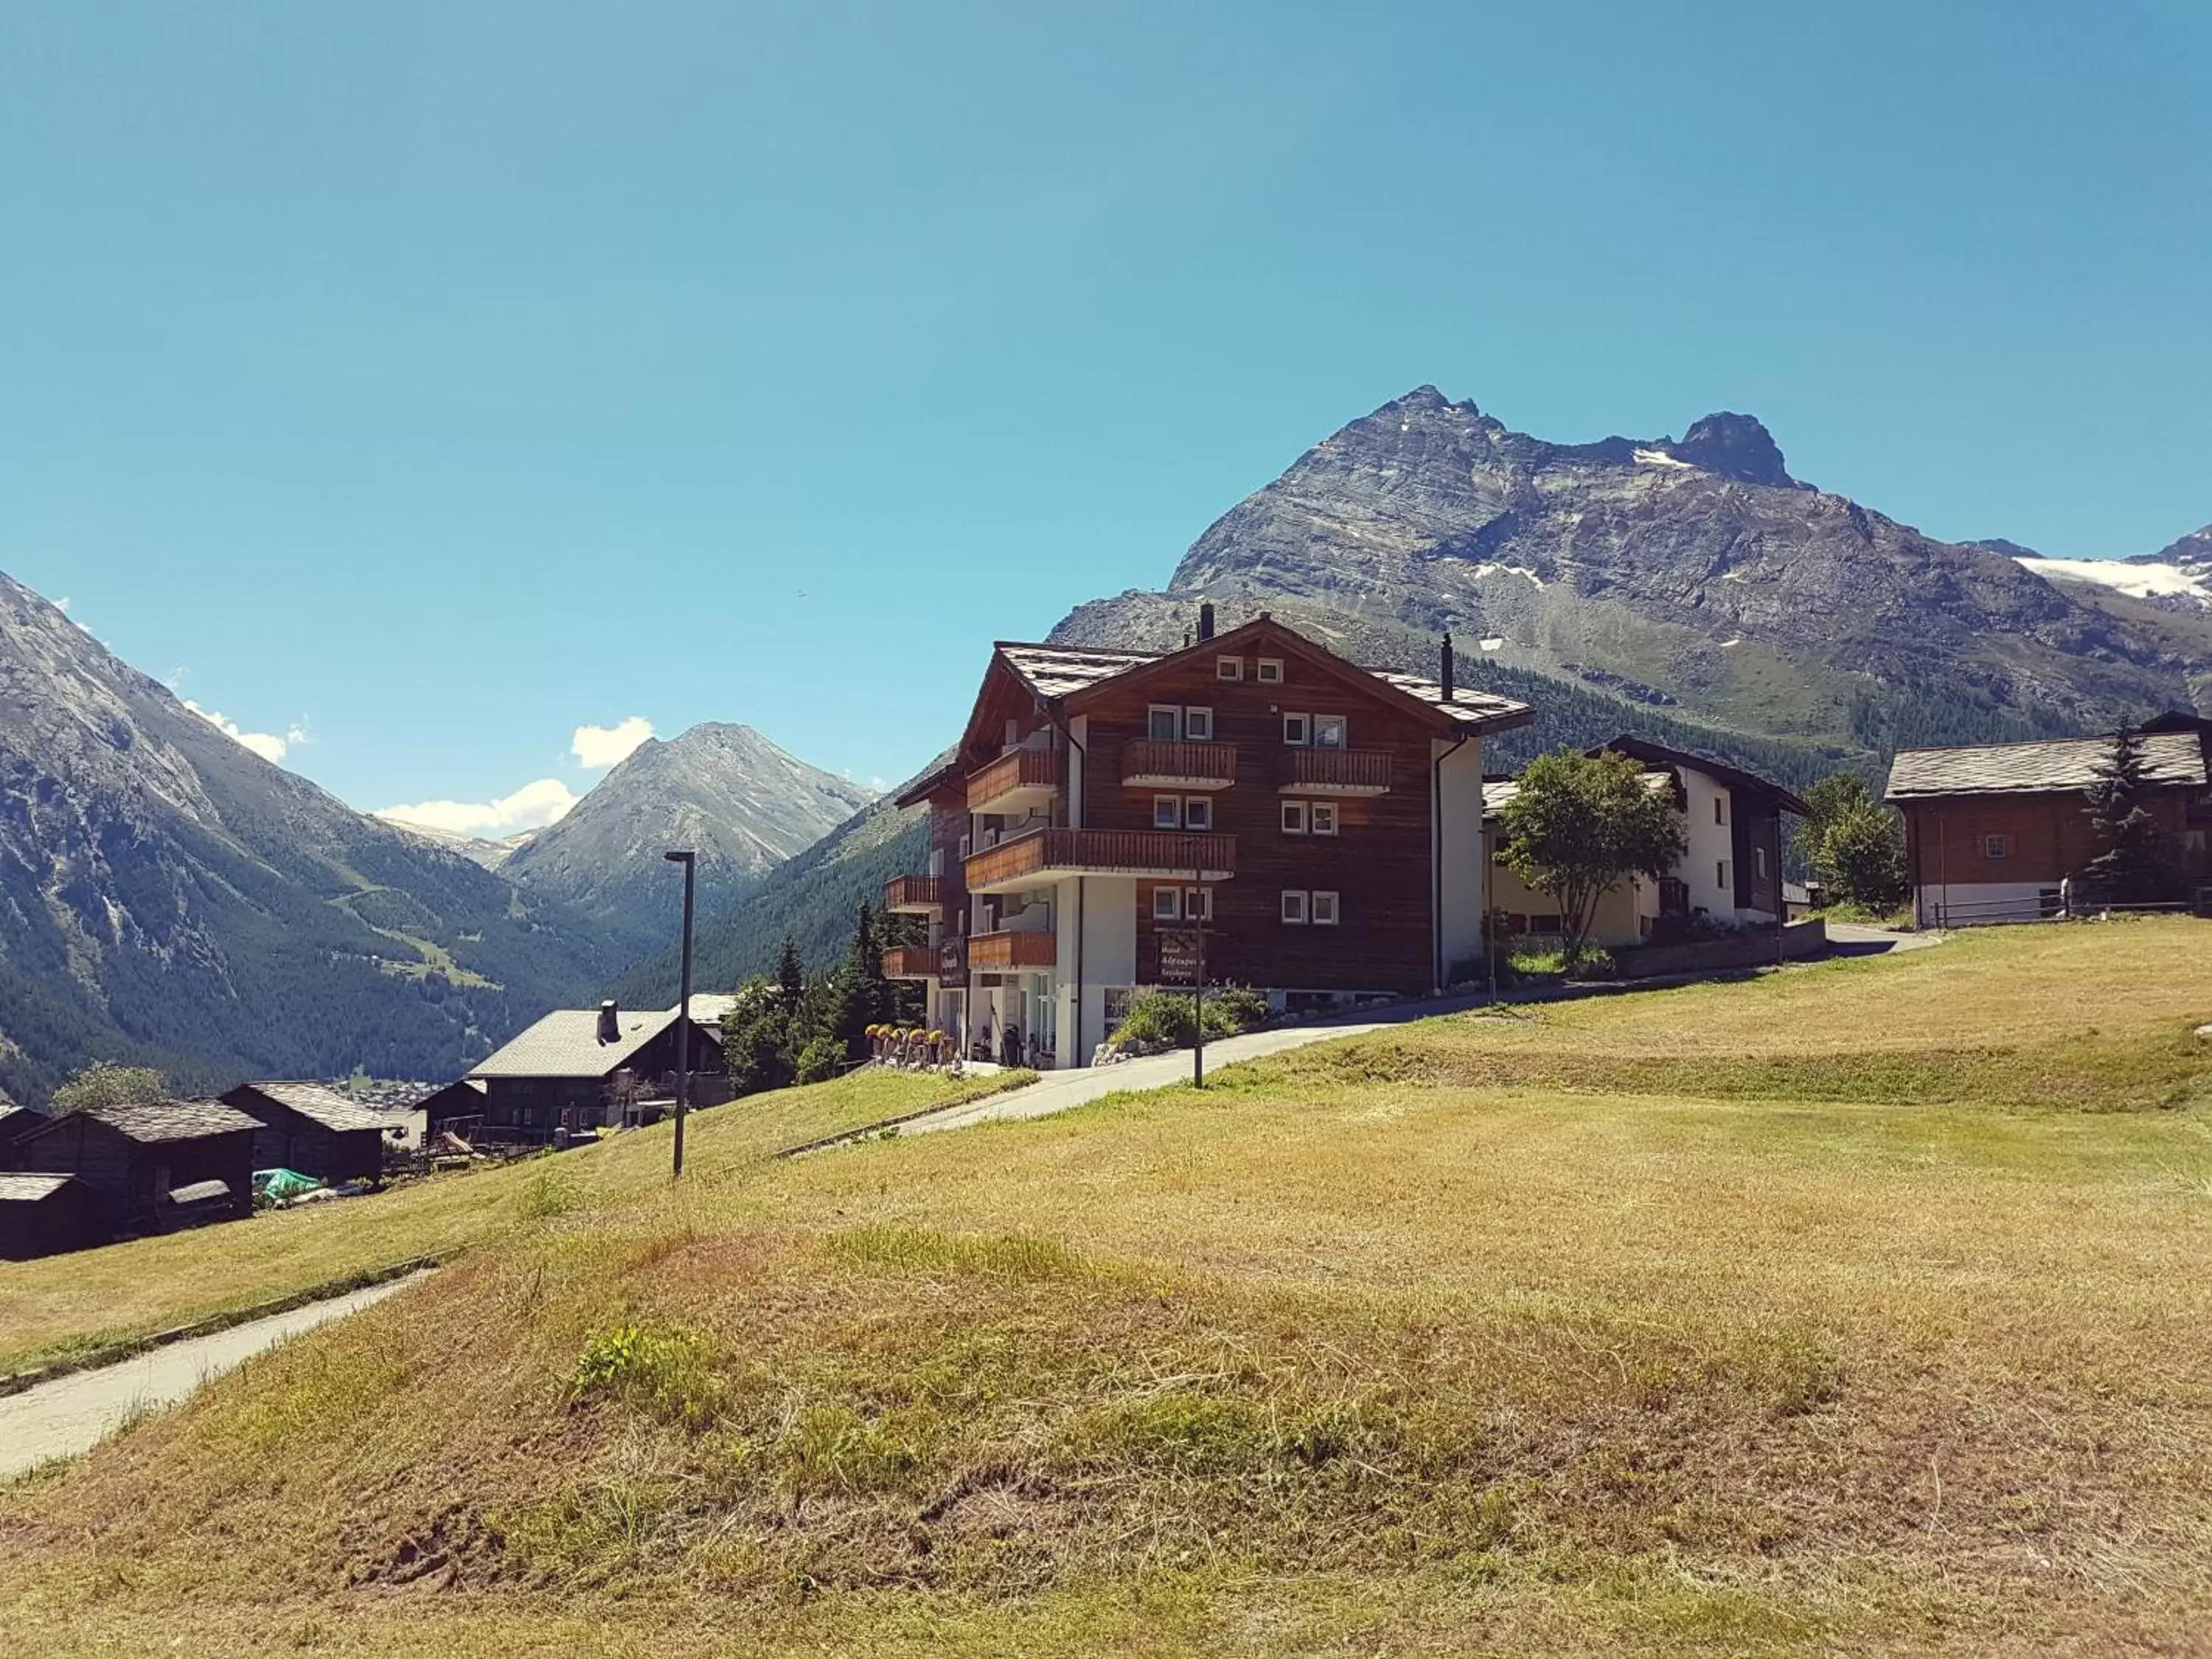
[44, 1215]
[151, 1167]
[314, 1130]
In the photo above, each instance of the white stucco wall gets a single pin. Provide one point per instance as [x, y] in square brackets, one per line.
[1109, 944]
[1463, 848]
[1710, 844]
[1971, 903]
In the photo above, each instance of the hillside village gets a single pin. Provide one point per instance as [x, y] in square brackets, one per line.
[1114, 829]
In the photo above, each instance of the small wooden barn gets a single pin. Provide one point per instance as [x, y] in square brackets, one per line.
[313, 1129]
[44, 1215]
[150, 1167]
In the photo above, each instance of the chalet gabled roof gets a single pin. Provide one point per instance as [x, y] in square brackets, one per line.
[1737, 777]
[314, 1101]
[31, 1188]
[149, 1122]
[16, 1121]
[566, 1043]
[2051, 767]
[1055, 672]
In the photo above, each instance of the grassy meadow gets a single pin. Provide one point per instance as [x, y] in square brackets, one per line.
[1859, 1308]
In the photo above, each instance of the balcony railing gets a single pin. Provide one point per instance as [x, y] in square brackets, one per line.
[1043, 856]
[1150, 763]
[1020, 777]
[914, 895]
[1001, 953]
[1317, 770]
[910, 961]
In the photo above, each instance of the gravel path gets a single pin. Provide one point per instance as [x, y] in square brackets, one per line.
[73, 1414]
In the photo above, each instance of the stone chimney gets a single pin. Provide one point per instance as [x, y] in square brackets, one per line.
[610, 1022]
[1205, 620]
[1446, 677]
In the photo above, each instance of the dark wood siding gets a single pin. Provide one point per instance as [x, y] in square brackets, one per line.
[62, 1220]
[1379, 863]
[289, 1139]
[130, 1180]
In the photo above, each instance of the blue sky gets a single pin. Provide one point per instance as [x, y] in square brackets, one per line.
[429, 381]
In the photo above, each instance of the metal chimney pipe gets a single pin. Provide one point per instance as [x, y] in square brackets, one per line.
[1448, 667]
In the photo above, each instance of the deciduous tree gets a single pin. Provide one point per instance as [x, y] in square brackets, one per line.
[1579, 824]
[105, 1084]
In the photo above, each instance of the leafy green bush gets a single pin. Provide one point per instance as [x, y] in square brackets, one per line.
[668, 1372]
[1169, 1018]
[821, 1059]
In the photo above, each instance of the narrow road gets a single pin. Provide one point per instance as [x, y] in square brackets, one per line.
[73, 1414]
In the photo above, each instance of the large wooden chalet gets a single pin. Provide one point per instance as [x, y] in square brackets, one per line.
[582, 1069]
[1321, 821]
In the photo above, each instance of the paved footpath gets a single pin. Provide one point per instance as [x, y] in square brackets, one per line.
[76, 1412]
[1061, 1092]
[1058, 1091]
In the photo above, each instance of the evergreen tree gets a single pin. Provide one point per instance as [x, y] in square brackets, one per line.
[756, 1038]
[2130, 865]
[790, 977]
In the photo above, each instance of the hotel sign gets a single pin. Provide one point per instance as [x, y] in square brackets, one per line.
[953, 961]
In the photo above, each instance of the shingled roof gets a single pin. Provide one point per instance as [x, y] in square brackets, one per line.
[31, 1188]
[154, 1121]
[323, 1105]
[1056, 670]
[566, 1043]
[2051, 767]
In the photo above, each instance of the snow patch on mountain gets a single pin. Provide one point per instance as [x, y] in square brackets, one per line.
[2137, 582]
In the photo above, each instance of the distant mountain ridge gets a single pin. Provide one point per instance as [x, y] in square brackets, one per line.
[723, 790]
[1695, 575]
[167, 895]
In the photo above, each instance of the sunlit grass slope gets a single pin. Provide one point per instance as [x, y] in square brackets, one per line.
[68, 1303]
[1492, 1335]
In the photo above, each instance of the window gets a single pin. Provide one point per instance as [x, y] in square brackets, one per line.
[1294, 906]
[1198, 725]
[1324, 910]
[1268, 670]
[1322, 816]
[1164, 724]
[1329, 730]
[1197, 903]
[1759, 862]
[1298, 728]
[1167, 812]
[1720, 809]
[1997, 847]
[967, 843]
[1229, 668]
[1720, 873]
[1167, 904]
[1198, 813]
[1294, 817]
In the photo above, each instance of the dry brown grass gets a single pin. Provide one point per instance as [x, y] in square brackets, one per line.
[1301, 1365]
[66, 1305]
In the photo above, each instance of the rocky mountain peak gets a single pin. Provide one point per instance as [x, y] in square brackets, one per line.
[1735, 445]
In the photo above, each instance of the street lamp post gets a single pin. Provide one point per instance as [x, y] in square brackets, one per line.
[689, 860]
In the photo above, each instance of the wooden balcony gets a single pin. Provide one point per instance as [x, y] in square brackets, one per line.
[1015, 781]
[914, 895]
[1006, 953]
[1320, 771]
[1044, 856]
[1148, 763]
[910, 961]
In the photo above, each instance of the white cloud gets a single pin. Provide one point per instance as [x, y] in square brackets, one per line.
[267, 745]
[531, 807]
[598, 746]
